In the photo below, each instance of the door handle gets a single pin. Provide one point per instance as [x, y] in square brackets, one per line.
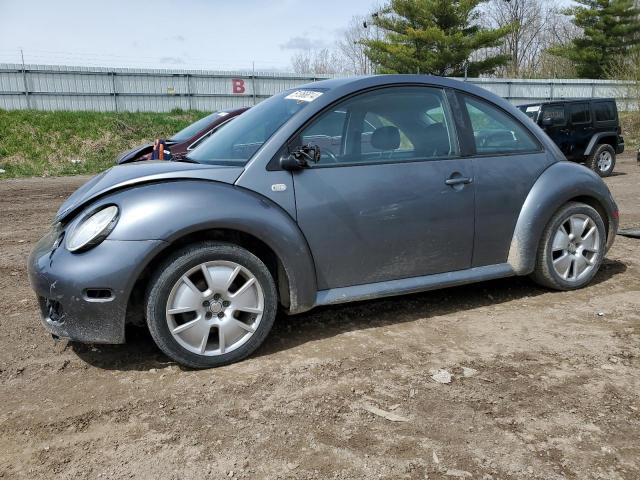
[458, 181]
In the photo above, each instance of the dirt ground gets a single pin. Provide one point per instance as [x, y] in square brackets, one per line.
[554, 390]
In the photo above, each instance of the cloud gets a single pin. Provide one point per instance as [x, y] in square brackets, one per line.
[172, 60]
[302, 43]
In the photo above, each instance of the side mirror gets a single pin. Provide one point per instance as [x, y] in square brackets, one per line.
[546, 121]
[300, 157]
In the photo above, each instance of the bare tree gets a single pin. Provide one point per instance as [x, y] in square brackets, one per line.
[301, 62]
[322, 61]
[536, 25]
[352, 48]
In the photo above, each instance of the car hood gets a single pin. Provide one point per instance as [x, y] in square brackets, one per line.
[135, 152]
[129, 174]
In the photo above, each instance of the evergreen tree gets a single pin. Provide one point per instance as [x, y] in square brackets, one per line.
[611, 30]
[436, 37]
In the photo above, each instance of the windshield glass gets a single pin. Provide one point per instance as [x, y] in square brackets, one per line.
[239, 140]
[532, 111]
[188, 132]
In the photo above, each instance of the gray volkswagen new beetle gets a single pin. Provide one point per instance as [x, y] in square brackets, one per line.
[337, 191]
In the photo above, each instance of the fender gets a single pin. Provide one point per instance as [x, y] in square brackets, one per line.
[558, 184]
[168, 211]
[595, 140]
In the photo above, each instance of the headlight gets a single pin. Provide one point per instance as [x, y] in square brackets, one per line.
[93, 229]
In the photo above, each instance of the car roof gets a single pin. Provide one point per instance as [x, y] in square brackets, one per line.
[338, 87]
[357, 81]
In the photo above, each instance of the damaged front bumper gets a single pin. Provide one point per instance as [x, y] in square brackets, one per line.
[84, 296]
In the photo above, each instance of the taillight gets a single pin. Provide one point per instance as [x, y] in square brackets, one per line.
[615, 214]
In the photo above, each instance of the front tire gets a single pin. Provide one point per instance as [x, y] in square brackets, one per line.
[571, 249]
[211, 304]
[602, 160]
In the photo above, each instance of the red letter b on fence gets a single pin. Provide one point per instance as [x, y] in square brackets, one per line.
[237, 85]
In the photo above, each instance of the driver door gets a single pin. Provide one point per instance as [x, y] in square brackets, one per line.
[390, 197]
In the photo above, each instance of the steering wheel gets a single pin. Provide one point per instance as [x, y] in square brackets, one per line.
[331, 156]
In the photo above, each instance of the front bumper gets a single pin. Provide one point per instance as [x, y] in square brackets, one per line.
[84, 296]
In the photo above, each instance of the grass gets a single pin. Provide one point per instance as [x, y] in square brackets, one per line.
[630, 123]
[34, 143]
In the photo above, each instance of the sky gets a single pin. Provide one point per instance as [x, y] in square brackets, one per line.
[208, 34]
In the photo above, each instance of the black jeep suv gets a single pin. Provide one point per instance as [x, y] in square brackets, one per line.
[586, 130]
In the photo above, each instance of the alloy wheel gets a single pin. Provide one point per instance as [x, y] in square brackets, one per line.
[215, 308]
[604, 161]
[576, 247]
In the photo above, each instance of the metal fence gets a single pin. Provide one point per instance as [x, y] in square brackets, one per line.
[54, 87]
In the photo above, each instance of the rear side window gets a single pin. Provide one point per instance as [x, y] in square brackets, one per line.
[496, 132]
[604, 111]
[579, 112]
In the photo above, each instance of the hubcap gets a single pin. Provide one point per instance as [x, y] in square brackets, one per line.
[576, 248]
[215, 308]
[604, 161]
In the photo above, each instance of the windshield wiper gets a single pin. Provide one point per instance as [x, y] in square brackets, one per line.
[186, 159]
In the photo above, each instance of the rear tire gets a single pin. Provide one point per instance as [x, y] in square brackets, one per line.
[602, 160]
[571, 249]
[211, 304]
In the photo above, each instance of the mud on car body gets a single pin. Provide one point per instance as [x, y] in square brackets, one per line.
[338, 191]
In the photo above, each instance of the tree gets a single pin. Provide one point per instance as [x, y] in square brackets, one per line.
[434, 36]
[611, 30]
[536, 26]
[524, 41]
[322, 61]
[353, 49]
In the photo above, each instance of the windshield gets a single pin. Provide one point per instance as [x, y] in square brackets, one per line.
[239, 140]
[531, 111]
[188, 132]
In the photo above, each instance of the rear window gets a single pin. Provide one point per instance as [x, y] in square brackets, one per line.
[495, 132]
[604, 111]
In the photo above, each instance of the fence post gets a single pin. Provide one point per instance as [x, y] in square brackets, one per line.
[189, 91]
[113, 91]
[593, 90]
[508, 90]
[551, 90]
[26, 87]
[253, 81]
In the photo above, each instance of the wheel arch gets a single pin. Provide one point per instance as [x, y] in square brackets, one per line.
[253, 244]
[609, 138]
[183, 212]
[561, 183]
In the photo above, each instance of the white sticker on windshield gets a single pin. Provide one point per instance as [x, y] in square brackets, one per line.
[223, 114]
[303, 95]
[534, 108]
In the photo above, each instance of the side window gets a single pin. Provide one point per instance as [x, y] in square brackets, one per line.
[394, 124]
[604, 111]
[496, 132]
[579, 112]
[555, 113]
